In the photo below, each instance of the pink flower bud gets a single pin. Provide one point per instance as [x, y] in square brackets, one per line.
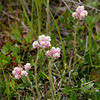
[27, 66]
[42, 44]
[56, 55]
[47, 38]
[41, 38]
[47, 44]
[24, 73]
[17, 76]
[85, 12]
[48, 54]
[52, 50]
[82, 16]
[35, 44]
[16, 72]
[79, 9]
[75, 15]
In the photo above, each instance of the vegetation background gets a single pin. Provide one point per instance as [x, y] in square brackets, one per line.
[22, 21]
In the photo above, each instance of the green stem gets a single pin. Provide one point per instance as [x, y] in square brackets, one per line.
[31, 88]
[35, 78]
[74, 45]
[90, 31]
[50, 79]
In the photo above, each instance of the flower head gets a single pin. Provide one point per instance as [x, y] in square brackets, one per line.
[24, 73]
[75, 15]
[27, 66]
[35, 44]
[43, 42]
[16, 72]
[55, 52]
[80, 13]
[48, 53]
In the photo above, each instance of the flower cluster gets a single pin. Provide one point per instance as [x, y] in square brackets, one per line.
[55, 52]
[80, 13]
[43, 42]
[18, 72]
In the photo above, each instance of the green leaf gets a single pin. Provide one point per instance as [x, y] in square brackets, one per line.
[45, 75]
[4, 50]
[97, 95]
[21, 86]
[73, 96]
[4, 61]
[8, 45]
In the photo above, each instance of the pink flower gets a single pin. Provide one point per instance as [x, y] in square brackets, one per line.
[27, 66]
[47, 38]
[41, 38]
[43, 42]
[82, 16]
[48, 54]
[85, 12]
[47, 44]
[35, 44]
[52, 50]
[80, 13]
[79, 9]
[56, 55]
[17, 76]
[75, 15]
[55, 52]
[24, 73]
[16, 72]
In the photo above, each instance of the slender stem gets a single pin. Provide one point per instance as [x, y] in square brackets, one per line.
[50, 79]
[90, 46]
[74, 45]
[31, 88]
[35, 78]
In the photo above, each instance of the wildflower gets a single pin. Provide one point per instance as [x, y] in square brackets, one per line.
[48, 53]
[17, 76]
[82, 16]
[41, 38]
[16, 72]
[56, 55]
[27, 66]
[24, 73]
[80, 13]
[75, 15]
[43, 42]
[35, 44]
[79, 9]
[85, 12]
[55, 52]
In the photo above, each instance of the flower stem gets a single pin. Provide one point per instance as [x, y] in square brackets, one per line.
[35, 78]
[74, 45]
[31, 87]
[50, 79]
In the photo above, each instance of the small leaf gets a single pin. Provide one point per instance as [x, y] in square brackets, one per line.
[4, 50]
[4, 61]
[21, 86]
[73, 96]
